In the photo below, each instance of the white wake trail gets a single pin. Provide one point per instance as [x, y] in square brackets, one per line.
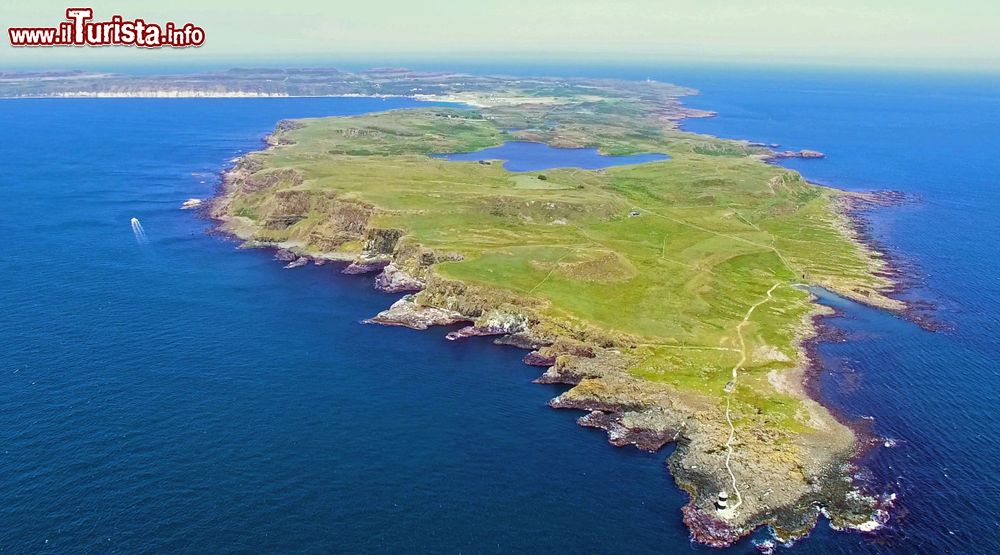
[138, 231]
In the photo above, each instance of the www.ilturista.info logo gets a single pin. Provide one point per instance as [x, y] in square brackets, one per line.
[79, 30]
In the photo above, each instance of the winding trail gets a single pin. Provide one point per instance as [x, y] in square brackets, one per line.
[730, 388]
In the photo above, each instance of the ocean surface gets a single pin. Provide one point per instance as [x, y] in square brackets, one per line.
[931, 395]
[182, 395]
[523, 156]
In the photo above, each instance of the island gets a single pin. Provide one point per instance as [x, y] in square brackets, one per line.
[672, 296]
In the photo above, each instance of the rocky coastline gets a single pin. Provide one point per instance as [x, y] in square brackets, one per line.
[804, 153]
[903, 274]
[625, 428]
[603, 388]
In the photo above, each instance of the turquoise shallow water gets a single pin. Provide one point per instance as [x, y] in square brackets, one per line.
[181, 395]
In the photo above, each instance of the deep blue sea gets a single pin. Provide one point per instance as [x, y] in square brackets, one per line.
[932, 394]
[182, 395]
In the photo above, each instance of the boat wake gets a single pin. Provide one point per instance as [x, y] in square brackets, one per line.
[138, 231]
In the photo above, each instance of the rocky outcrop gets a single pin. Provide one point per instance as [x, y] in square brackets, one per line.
[523, 340]
[799, 154]
[280, 134]
[406, 312]
[620, 434]
[470, 331]
[494, 322]
[501, 321]
[267, 179]
[574, 363]
[297, 263]
[708, 529]
[286, 208]
[534, 358]
[395, 280]
[382, 241]
[648, 420]
[366, 265]
[487, 307]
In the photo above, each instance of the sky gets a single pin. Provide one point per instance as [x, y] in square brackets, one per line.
[866, 33]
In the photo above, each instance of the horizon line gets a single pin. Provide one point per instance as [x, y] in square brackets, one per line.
[493, 64]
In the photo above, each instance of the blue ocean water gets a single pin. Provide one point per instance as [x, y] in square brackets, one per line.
[523, 156]
[185, 396]
[182, 395]
[932, 394]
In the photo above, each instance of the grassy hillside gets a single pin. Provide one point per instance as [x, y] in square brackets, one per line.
[656, 266]
[713, 232]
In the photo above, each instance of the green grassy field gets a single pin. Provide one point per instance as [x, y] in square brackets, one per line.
[658, 262]
[715, 229]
